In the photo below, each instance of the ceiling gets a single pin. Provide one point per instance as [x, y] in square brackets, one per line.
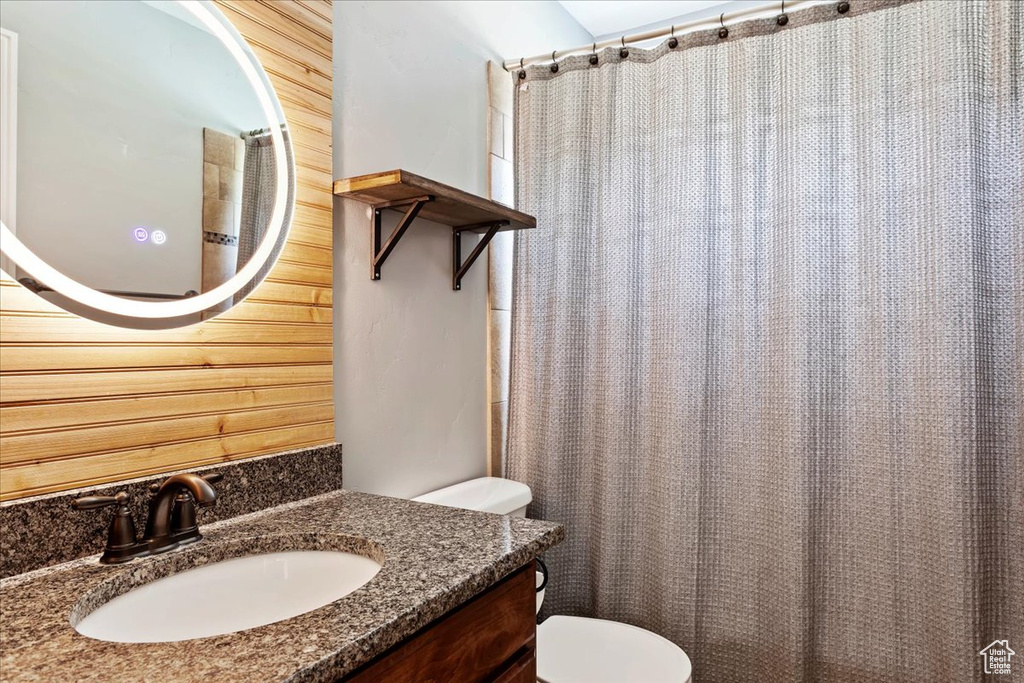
[605, 17]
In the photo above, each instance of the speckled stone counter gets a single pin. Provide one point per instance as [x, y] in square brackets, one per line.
[434, 559]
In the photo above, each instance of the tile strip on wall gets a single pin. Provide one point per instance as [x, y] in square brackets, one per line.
[499, 286]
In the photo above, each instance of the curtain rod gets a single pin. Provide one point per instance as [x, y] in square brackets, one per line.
[260, 131]
[779, 7]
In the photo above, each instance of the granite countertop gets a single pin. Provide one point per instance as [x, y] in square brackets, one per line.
[434, 559]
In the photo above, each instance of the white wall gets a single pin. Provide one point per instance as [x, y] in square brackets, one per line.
[410, 91]
[713, 12]
[113, 98]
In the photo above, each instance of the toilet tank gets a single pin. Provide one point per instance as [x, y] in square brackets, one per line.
[486, 494]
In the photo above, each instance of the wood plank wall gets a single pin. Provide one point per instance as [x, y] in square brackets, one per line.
[82, 403]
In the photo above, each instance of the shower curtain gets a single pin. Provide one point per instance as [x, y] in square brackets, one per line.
[768, 340]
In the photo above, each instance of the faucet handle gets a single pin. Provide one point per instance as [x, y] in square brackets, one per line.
[122, 543]
[184, 525]
[95, 502]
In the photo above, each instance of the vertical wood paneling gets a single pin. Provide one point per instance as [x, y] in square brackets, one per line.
[82, 403]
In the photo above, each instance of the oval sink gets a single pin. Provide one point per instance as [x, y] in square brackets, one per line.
[229, 596]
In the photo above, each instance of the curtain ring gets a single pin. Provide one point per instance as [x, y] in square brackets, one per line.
[522, 69]
[554, 64]
[782, 19]
[673, 42]
[722, 32]
[623, 52]
[593, 55]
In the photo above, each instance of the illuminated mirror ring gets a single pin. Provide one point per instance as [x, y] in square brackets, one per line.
[25, 258]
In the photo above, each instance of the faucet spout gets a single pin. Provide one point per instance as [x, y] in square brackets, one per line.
[158, 526]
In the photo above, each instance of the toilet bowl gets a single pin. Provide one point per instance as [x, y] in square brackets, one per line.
[574, 649]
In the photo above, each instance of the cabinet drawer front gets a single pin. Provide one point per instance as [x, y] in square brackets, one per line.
[522, 669]
[471, 643]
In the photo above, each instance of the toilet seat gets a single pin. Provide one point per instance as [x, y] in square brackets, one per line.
[582, 650]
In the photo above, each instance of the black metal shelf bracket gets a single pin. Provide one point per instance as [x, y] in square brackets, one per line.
[379, 253]
[459, 269]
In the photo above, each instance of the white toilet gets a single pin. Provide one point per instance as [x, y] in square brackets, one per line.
[574, 649]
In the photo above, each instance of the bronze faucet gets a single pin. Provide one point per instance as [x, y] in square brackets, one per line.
[158, 537]
[171, 522]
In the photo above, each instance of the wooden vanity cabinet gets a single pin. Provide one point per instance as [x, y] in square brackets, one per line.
[489, 638]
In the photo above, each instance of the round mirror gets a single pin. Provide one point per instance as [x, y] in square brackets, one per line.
[147, 172]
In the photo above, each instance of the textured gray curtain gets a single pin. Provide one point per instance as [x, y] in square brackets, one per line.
[768, 340]
[259, 176]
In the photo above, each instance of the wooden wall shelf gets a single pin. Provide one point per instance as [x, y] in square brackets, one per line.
[416, 196]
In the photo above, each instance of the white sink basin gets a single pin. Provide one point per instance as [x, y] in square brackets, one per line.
[229, 596]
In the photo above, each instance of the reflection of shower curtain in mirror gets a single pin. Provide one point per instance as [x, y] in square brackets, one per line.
[259, 175]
